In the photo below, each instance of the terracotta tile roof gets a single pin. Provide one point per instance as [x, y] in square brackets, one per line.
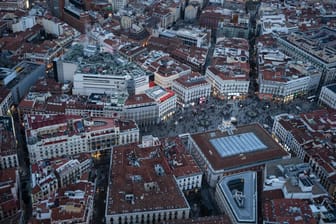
[288, 210]
[135, 181]
[192, 80]
[138, 99]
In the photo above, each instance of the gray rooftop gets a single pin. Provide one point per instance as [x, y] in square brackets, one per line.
[332, 87]
[237, 144]
[246, 183]
[91, 61]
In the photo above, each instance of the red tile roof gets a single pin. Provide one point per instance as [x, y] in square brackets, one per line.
[145, 198]
[288, 210]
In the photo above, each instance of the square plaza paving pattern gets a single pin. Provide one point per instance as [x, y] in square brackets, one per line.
[237, 144]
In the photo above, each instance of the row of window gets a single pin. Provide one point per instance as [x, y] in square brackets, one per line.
[147, 218]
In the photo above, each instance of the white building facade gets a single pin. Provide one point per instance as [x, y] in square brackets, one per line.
[6, 103]
[189, 90]
[24, 24]
[48, 141]
[235, 85]
[328, 96]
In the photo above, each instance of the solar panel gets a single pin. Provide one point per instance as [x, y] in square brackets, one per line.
[237, 144]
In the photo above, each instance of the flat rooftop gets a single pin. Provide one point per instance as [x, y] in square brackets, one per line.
[90, 61]
[23, 69]
[240, 193]
[332, 87]
[225, 150]
[320, 43]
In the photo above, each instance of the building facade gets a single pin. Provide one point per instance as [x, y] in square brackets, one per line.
[305, 46]
[227, 82]
[190, 89]
[307, 136]
[168, 175]
[6, 101]
[50, 136]
[328, 96]
[217, 154]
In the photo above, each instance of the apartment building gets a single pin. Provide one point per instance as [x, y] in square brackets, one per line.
[328, 96]
[48, 176]
[166, 100]
[281, 78]
[6, 100]
[50, 136]
[141, 108]
[228, 73]
[315, 47]
[190, 89]
[8, 144]
[71, 203]
[156, 168]
[308, 137]
[167, 69]
[10, 206]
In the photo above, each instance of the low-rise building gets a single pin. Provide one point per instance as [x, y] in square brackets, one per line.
[288, 210]
[308, 136]
[237, 195]
[328, 96]
[166, 100]
[71, 203]
[191, 37]
[44, 53]
[228, 73]
[190, 89]
[50, 136]
[195, 57]
[130, 51]
[230, 150]
[48, 176]
[280, 78]
[109, 74]
[6, 100]
[8, 144]
[151, 171]
[167, 69]
[141, 108]
[312, 46]
[294, 178]
[10, 205]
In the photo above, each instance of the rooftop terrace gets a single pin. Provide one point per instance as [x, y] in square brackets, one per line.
[90, 61]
